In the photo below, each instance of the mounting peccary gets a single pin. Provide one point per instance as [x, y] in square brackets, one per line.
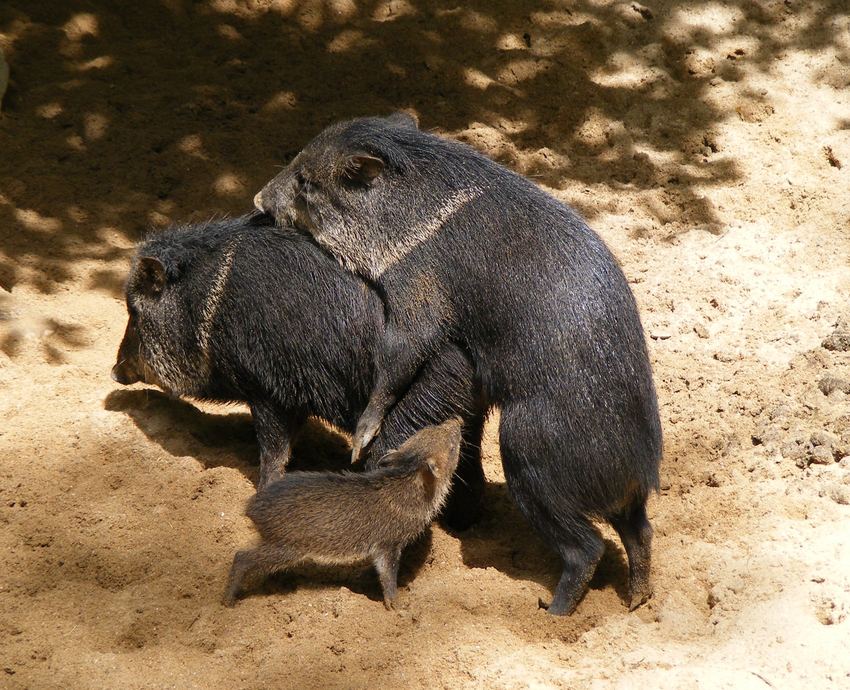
[337, 518]
[464, 250]
[238, 310]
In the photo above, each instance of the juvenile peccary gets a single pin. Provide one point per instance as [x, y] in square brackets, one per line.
[238, 310]
[337, 518]
[467, 251]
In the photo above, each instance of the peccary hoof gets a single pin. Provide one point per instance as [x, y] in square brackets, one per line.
[547, 608]
[554, 609]
[638, 599]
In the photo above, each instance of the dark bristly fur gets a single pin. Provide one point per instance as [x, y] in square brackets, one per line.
[337, 518]
[464, 250]
[287, 331]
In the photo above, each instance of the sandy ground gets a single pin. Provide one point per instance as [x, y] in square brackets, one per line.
[709, 143]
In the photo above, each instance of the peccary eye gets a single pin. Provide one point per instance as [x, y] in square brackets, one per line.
[304, 184]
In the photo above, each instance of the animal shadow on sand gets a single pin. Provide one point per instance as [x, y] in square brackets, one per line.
[223, 439]
[505, 541]
[360, 579]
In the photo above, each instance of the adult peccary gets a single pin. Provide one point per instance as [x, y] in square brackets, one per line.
[337, 518]
[464, 250]
[238, 310]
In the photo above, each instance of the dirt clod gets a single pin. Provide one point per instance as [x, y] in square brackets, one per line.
[831, 157]
[828, 384]
[823, 438]
[839, 339]
[821, 455]
[840, 493]
[643, 11]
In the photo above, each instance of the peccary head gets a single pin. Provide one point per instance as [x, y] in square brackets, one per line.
[435, 451]
[130, 366]
[160, 344]
[371, 189]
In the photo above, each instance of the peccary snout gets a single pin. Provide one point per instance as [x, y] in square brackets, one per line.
[124, 375]
[127, 370]
[285, 199]
[129, 366]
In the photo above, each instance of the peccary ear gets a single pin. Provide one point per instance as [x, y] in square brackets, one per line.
[429, 474]
[389, 458]
[363, 168]
[150, 276]
[404, 119]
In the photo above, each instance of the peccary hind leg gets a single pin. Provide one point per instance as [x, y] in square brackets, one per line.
[636, 534]
[542, 489]
[403, 349]
[581, 548]
[370, 421]
[386, 563]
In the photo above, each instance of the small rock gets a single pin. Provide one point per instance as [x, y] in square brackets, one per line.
[831, 158]
[839, 339]
[845, 462]
[766, 437]
[840, 493]
[713, 598]
[713, 480]
[829, 608]
[660, 334]
[842, 446]
[778, 412]
[828, 384]
[821, 455]
[794, 451]
[701, 330]
[643, 11]
[823, 438]
[753, 110]
[725, 356]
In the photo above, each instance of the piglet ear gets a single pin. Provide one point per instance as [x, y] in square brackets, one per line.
[429, 475]
[150, 276]
[404, 119]
[363, 168]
